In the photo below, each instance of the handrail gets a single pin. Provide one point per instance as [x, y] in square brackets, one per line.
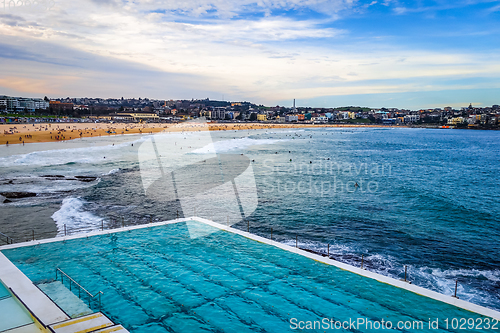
[99, 293]
[7, 239]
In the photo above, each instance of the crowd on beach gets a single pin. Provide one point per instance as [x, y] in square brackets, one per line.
[47, 132]
[60, 132]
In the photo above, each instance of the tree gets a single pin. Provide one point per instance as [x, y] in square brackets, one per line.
[46, 99]
[253, 116]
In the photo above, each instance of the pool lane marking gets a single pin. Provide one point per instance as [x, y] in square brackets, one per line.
[94, 328]
[112, 329]
[76, 321]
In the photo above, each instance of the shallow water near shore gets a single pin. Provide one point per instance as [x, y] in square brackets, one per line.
[425, 198]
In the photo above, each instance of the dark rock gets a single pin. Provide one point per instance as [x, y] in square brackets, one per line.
[17, 195]
[53, 176]
[85, 178]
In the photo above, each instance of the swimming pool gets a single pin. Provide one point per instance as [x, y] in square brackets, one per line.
[12, 313]
[161, 279]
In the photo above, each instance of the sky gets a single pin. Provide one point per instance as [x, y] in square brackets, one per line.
[323, 53]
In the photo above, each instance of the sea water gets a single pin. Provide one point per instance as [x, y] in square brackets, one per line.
[421, 198]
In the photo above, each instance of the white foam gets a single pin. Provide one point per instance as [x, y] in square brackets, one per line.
[111, 172]
[441, 280]
[234, 144]
[278, 131]
[65, 156]
[73, 215]
[335, 249]
[42, 185]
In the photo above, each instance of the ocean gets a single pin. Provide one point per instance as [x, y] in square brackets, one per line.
[386, 198]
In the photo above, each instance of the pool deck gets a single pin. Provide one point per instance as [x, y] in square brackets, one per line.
[40, 306]
[47, 312]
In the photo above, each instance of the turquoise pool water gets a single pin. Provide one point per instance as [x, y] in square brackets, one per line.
[160, 279]
[12, 314]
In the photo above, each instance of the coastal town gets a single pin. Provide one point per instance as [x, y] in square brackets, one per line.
[145, 110]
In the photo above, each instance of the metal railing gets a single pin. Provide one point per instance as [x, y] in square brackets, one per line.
[80, 288]
[6, 239]
[32, 235]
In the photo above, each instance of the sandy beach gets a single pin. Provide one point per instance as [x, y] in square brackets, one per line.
[49, 132]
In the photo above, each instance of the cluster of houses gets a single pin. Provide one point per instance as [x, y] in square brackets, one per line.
[133, 109]
[466, 116]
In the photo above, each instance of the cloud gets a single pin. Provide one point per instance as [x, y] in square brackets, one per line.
[494, 9]
[264, 51]
[241, 8]
[263, 30]
[51, 69]
[15, 20]
[400, 7]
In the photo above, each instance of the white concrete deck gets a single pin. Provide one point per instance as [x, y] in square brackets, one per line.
[35, 300]
[88, 323]
[375, 276]
[31, 328]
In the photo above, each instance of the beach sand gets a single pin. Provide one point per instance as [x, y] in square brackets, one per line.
[49, 132]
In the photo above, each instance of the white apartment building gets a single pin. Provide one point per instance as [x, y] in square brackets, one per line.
[41, 104]
[12, 104]
[411, 118]
[26, 104]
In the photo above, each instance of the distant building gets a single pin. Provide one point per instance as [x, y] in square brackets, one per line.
[3, 103]
[455, 121]
[389, 121]
[135, 116]
[219, 113]
[40, 104]
[60, 108]
[411, 118]
[13, 105]
[261, 117]
[27, 104]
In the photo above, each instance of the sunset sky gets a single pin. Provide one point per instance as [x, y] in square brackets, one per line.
[392, 53]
